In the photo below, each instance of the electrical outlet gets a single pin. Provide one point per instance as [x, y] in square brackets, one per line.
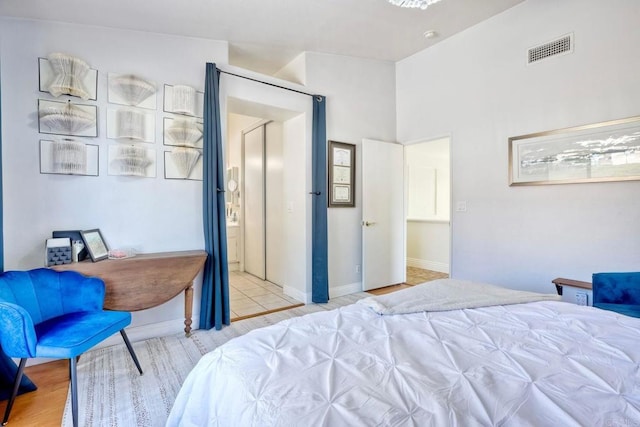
[582, 298]
[357, 268]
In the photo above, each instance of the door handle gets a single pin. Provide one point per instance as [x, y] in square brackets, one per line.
[368, 223]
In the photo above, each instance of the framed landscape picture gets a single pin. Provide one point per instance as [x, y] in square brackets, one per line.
[599, 152]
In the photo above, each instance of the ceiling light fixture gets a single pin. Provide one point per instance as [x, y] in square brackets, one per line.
[422, 4]
[430, 34]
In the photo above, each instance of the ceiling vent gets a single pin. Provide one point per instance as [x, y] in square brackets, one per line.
[559, 46]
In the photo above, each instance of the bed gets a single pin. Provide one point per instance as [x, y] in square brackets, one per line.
[445, 353]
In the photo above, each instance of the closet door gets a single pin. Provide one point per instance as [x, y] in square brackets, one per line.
[274, 203]
[254, 203]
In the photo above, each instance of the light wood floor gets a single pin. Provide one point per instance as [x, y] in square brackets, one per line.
[45, 406]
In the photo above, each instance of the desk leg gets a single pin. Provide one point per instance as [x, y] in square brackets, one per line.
[188, 309]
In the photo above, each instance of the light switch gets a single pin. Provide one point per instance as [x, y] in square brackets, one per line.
[461, 206]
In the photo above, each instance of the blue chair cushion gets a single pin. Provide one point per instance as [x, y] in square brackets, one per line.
[626, 309]
[72, 334]
[619, 292]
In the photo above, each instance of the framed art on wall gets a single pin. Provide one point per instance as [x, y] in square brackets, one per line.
[183, 163]
[67, 118]
[129, 89]
[184, 100]
[63, 74]
[131, 160]
[605, 151]
[342, 174]
[68, 157]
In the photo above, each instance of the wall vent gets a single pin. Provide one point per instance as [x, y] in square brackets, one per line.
[559, 46]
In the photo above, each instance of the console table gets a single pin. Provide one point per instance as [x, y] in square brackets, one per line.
[146, 280]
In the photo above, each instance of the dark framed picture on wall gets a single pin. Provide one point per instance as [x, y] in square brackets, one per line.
[342, 174]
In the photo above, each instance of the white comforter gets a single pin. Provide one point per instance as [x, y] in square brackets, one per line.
[450, 294]
[535, 364]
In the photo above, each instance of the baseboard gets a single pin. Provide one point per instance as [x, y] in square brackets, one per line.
[160, 329]
[334, 292]
[303, 297]
[428, 265]
[351, 288]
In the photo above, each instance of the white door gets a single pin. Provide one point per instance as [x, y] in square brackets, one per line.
[254, 206]
[383, 219]
[274, 204]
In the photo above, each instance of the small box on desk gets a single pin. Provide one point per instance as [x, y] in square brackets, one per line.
[75, 236]
[58, 251]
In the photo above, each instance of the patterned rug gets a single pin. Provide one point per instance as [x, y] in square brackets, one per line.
[112, 393]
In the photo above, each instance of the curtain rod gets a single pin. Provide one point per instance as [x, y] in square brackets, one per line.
[269, 84]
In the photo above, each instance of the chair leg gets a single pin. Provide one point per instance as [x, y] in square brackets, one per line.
[77, 360]
[14, 393]
[74, 389]
[131, 352]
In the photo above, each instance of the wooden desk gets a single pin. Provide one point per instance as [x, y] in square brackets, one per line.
[560, 282]
[146, 280]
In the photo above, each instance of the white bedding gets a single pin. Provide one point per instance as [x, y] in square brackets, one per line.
[536, 364]
[450, 294]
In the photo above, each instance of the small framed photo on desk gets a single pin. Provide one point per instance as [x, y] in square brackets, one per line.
[342, 174]
[95, 244]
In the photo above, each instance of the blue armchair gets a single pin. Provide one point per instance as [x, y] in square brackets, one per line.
[51, 314]
[618, 292]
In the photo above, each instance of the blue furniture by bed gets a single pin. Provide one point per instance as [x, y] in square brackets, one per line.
[619, 292]
[51, 314]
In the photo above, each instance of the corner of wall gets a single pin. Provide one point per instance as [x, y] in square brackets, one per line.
[295, 71]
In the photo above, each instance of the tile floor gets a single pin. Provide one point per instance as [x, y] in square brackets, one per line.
[249, 295]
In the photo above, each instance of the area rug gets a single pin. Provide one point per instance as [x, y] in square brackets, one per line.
[112, 393]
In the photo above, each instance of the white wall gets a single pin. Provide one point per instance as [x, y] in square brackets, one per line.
[428, 199]
[476, 87]
[428, 245]
[360, 104]
[150, 214]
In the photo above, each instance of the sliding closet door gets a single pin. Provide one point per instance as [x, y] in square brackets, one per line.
[274, 203]
[254, 203]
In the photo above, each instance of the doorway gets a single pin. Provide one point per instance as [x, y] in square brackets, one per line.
[406, 209]
[428, 219]
[256, 154]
